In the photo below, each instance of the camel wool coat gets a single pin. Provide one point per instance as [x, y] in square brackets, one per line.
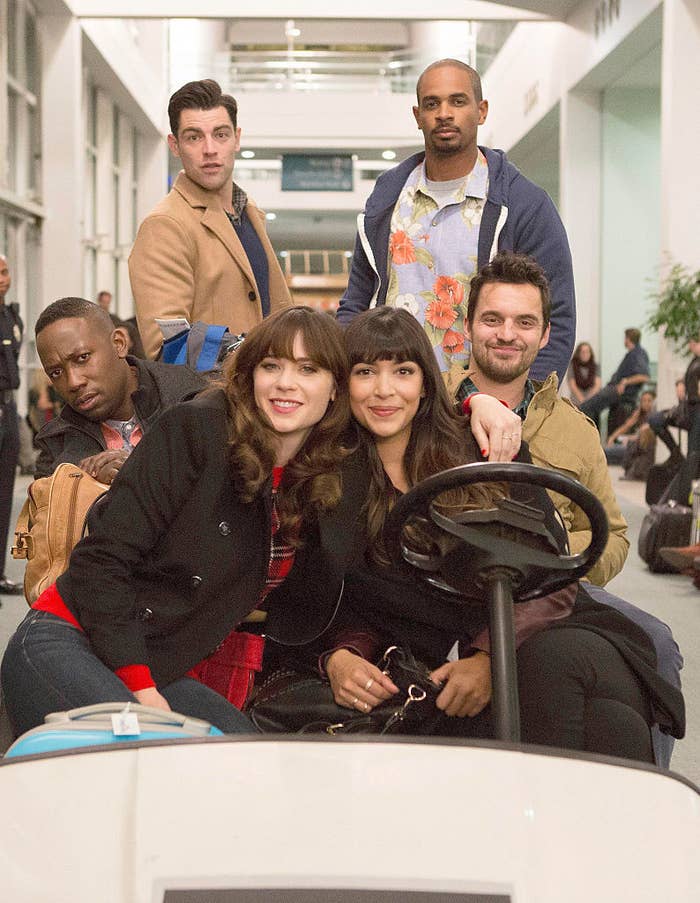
[187, 261]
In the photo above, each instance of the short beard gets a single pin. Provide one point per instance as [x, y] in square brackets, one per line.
[501, 376]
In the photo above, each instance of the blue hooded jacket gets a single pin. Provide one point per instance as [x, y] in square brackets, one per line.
[518, 216]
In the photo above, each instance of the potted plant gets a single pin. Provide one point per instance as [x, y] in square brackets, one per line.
[677, 306]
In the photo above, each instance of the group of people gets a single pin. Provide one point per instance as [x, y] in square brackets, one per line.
[244, 526]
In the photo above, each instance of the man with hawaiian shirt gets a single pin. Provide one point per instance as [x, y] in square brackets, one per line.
[435, 219]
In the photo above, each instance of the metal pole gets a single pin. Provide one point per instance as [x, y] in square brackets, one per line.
[504, 676]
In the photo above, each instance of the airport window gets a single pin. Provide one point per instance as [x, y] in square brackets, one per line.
[22, 80]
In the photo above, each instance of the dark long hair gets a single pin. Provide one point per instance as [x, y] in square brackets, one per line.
[440, 437]
[584, 371]
[311, 481]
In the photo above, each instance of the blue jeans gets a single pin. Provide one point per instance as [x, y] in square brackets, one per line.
[49, 667]
[669, 660]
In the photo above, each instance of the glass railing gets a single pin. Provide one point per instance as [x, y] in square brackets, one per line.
[243, 71]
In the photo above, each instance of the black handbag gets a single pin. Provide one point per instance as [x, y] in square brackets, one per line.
[293, 703]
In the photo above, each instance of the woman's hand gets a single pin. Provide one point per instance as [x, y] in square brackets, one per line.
[356, 683]
[496, 428]
[151, 696]
[467, 688]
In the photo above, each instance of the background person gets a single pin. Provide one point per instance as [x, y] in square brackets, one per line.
[104, 299]
[583, 376]
[250, 470]
[203, 252]
[11, 330]
[439, 216]
[621, 392]
[658, 423]
[629, 446]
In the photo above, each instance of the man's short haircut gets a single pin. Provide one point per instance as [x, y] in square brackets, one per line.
[202, 95]
[634, 335]
[474, 76]
[69, 308]
[511, 269]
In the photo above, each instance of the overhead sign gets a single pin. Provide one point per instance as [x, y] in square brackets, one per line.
[317, 172]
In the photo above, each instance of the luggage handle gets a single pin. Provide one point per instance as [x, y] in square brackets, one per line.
[101, 713]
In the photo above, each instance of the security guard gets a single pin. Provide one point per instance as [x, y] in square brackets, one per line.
[10, 341]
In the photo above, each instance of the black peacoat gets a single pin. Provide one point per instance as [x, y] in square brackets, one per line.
[176, 560]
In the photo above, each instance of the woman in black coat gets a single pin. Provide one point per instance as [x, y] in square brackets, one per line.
[586, 674]
[223, 498]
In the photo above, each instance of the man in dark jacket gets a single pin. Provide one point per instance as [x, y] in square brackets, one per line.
[111, 399]
[438, 217]
[624, 385]
[11, 328]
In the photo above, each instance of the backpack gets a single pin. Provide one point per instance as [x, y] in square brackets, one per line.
[52, 520]
[201, 347]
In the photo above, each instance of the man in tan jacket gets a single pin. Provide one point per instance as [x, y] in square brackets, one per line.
[203, 252]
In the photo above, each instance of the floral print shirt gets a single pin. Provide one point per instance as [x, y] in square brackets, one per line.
[432, 256]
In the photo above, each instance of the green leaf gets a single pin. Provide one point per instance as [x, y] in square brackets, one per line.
[425, 257]
[676, 308]
[433, 333]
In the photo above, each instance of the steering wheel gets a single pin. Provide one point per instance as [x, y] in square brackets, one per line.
[511, 536]
[502, 554]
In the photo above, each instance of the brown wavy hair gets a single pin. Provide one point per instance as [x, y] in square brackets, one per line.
[311, 482]
[440, 436]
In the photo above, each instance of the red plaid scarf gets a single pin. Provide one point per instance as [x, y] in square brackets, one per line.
[231, 668]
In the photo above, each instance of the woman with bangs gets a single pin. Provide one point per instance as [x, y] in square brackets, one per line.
[228, 498]
[580, 688]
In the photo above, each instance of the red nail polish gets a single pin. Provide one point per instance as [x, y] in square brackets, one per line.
[483, 452]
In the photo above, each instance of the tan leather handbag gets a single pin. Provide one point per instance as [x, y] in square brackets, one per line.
[51, 522]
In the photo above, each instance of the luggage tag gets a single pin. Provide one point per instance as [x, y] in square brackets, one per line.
[125, 723]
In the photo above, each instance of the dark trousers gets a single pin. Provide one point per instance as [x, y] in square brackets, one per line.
[577, 692]
[9, 452]
[659, 422]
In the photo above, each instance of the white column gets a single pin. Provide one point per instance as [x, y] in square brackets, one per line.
[680, 141]
[63, 157]
[579, 204]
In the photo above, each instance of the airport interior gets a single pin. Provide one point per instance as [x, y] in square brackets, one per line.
[595, 101]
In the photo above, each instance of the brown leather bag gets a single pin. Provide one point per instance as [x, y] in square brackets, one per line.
[51, 522]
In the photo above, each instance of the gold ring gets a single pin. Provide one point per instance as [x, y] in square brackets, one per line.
[355, 701]
[369, 683]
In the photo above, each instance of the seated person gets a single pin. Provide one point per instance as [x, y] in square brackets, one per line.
[112, 399]
[579, 663]
[226, 500]
[629, 446]
[623, 388]
[583, 378]
[559, 437]
[658, 422]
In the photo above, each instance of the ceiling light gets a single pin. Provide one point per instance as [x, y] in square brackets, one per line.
[247, 155]
[389, 155]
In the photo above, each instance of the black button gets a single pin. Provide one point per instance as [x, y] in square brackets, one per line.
[251, 296]
[224, 528]
[146, 614]
[195, 581]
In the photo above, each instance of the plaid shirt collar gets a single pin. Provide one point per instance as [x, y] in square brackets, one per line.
[239, 201]
[467, 388]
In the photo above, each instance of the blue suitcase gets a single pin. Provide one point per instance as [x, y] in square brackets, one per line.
[107, 722]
